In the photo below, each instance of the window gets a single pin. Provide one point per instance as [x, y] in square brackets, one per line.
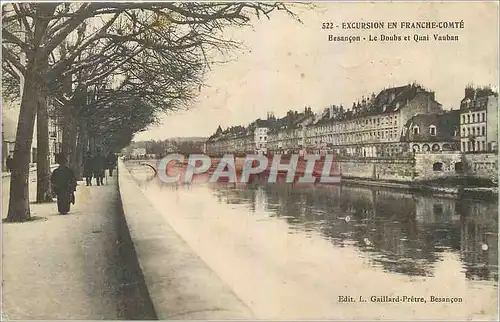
[468, 118]
[438, 166]
[484, 117]
[463, 131]
[438, 209]
[484, 145]
[463, 147]
[459, 167]
[473, 118]
[435, 147]
[483, 131]
[473, 131]
[416, 130]
[432, 130]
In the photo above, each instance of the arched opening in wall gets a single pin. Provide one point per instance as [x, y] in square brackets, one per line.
[459, 167]
[416, 148]
[435, 147]
[426, 148]
[438, 166]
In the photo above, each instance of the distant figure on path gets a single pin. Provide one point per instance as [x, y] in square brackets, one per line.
[9, 163]
[111, 162]
[99, 166]
[87, 168]
[64, 185]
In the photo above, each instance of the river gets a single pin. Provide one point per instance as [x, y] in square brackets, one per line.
[291, 251]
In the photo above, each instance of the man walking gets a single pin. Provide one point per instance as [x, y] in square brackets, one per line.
[64, 185]
[111, 163]
[99, 166]
[87, 168]
[8, 163]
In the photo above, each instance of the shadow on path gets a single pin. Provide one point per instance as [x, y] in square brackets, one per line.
[81, 266]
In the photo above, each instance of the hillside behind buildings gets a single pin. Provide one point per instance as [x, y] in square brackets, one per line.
[159, 148]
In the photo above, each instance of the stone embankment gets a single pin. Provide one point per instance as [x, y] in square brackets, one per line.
[181, 286]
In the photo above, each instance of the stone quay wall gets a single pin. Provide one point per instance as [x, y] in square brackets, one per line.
[437, 165]
[423, 166]
[389, 169]
[482, 165]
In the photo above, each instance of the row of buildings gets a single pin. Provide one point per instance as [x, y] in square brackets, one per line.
[399, 121]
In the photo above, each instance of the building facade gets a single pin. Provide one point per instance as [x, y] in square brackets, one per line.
[479, 120]
[234, 140]
[398, 122]
[433, 132]
[374, 126]
[287, 134]
[8, 138]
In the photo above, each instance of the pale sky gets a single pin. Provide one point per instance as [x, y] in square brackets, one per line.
[288, 65]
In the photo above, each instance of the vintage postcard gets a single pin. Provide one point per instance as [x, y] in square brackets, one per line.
[250, 160]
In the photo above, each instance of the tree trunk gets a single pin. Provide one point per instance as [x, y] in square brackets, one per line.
[43, 186]
[80, 150]
[73, 160]
[69, 137]
[19, 209]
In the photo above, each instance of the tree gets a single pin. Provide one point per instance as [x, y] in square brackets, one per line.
[124, 31]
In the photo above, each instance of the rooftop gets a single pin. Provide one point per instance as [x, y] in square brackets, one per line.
[447, 125]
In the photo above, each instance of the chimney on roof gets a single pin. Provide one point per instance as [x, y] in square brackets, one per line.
[469, 91]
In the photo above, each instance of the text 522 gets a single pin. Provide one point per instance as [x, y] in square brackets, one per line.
[327, 25]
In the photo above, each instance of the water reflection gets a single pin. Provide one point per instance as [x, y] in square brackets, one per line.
[289, 251]
[401, 232]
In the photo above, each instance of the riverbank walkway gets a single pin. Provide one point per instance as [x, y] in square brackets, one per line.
[81, 266]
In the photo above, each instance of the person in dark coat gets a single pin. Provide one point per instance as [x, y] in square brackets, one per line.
[87, 168]
[111, 162]
[9, 163]
[64, 185]
[99, 166]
